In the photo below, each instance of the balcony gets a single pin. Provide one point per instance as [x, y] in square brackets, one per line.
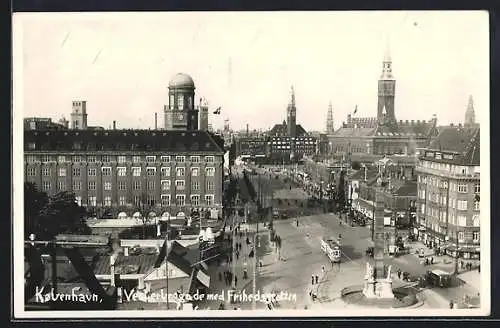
[447, 174]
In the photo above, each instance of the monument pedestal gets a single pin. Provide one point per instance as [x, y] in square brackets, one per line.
[383, 289]
[369, 290]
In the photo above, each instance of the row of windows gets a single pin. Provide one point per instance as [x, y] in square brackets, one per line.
[460, 220]
[122, 171]
[456, 169]
[460, 187]
[119, 159]
[136, 185]
[165, 200]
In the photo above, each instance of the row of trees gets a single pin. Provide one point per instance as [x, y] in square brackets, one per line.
[47, 216]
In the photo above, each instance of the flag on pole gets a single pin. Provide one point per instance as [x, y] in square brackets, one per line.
[355, 109]
[217, 111]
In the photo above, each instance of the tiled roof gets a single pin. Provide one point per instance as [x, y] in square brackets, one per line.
[281, 129]
[179, 261]
[355, 132]
[452, 139]
[406, 188]
[132, 264]
[417, 129]
[463, 141]
[125, 140]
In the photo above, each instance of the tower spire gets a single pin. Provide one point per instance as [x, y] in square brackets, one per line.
[329, 119]
[470, 115]
[387, 65]
[292, 96]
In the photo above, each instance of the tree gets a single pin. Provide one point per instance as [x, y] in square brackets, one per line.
[47, 216]
[144, 207]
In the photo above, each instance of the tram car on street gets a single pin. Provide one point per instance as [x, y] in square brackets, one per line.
[331, 248]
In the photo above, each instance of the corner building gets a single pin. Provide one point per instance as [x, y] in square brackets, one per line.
[448, 199]
[164, 172]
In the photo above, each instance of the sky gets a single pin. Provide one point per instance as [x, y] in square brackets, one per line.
[121, 63]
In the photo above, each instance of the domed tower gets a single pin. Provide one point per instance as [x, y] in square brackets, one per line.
[181, 114]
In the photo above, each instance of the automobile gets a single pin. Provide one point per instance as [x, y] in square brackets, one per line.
[438, 278]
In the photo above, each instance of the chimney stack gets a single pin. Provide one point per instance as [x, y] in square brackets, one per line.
[114, 125]
[156, 121]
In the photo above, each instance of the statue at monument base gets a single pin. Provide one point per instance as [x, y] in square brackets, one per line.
[377, 288]
[369, 287]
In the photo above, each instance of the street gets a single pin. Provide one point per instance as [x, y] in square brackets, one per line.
[301, 257]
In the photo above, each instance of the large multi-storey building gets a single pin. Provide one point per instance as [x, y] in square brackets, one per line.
[128, 170]
[287, 149]
[449, 192]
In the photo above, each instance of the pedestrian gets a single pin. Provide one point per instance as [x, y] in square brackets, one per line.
[451, 305]
[323, 269]
[427, 261]
[237, 255]
[221, 306]
[461, 264]
[432, 260]
[235, 281]
[316, 278]
[245, 274]
[399, 273]
[479, 268]
[312, 280]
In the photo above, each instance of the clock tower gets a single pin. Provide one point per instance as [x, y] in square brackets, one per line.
[181, 114]
[386, 93]
[291, 116]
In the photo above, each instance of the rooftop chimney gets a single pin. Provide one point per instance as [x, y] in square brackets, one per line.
[114, 125]
[156, 121]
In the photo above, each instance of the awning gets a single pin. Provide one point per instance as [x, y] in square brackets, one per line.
[203, 278]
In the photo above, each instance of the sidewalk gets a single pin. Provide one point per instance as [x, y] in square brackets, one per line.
[442, 262]
[219, 286]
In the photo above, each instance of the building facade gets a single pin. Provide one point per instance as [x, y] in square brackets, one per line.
[164, 172]
[289, 149]
[382, 135]
[251, 146]
[448, 207]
